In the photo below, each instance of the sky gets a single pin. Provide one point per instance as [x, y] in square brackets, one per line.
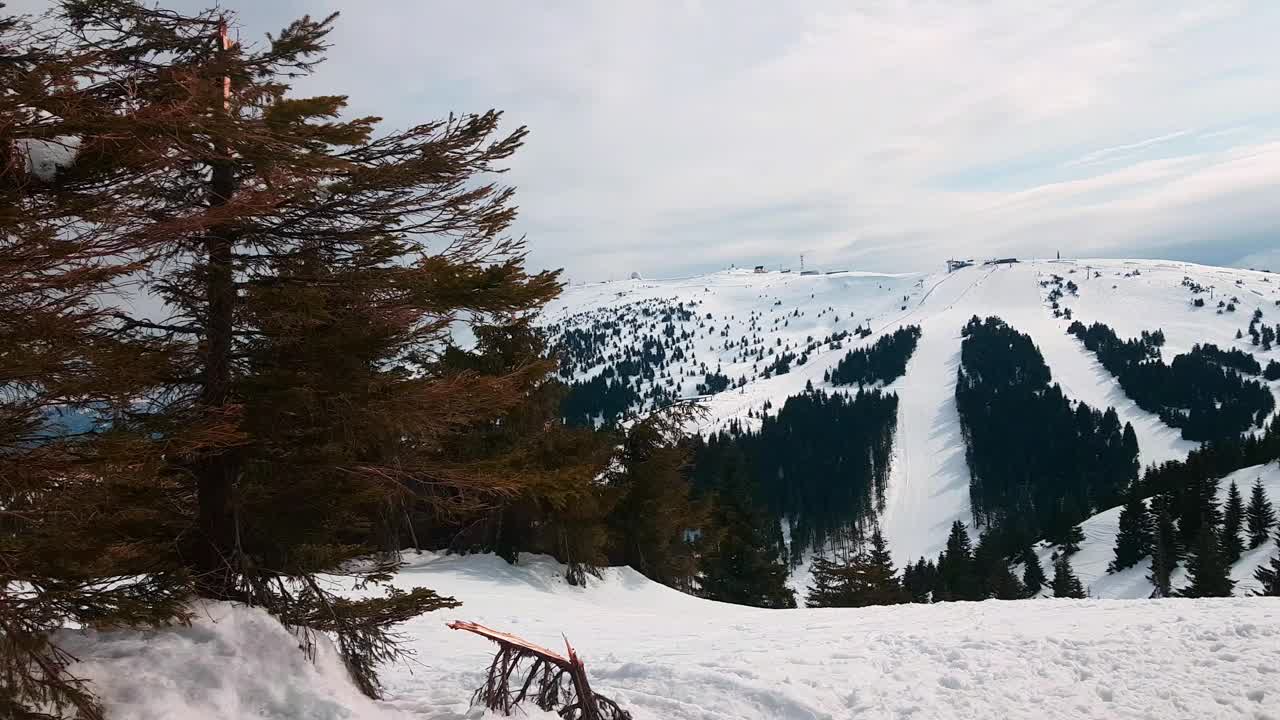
[675, 137]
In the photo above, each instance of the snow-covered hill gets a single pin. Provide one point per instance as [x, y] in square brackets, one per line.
[928, 488]
[668, 656]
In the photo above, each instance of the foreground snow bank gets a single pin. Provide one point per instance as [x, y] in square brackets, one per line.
[668, 656]
[232, 662]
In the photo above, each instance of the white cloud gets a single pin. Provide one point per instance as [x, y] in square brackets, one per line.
[668, 136]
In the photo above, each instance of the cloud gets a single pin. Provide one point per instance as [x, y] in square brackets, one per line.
[667, 137]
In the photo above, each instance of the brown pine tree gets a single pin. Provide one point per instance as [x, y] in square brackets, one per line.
[657, 523]
[66, 244]
[317, 275]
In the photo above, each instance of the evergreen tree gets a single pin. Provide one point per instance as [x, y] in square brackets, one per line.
[883, 587]
[312, 270]
[1032, 573]
[83, 516]
[1001, 583]
[1133, 539]
[742, 564]
[1261, 516]
[918, 580]
[957, 576]
[827, 585]
[560, 507]
[864, 578]
[1071, 541]
[1033, 454]
[653, 521]
[1065, 583]
[1207, 568]
[1165, 548]
[1232, 522]
[1268, 574]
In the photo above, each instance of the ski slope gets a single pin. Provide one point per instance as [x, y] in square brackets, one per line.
[668, 656]
[928, 487]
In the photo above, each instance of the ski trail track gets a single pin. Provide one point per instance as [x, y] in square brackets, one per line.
[929, 482]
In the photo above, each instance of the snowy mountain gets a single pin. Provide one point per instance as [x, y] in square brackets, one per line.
[668, 656]
[746, 342]
[736, 324]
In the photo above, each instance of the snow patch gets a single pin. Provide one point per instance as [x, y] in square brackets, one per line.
[231, 662]
[44, 158]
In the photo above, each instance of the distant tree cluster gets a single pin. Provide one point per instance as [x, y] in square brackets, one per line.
[1272, 371]
[1261, 334]
[963, 571]
[1036, 459]
[885, 361]
[1182, 521]
[821, 463]
[604, 399]
[865, 577]
[1201, 392]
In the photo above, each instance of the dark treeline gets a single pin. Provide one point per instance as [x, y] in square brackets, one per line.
[1186, 482]
[1174, 516]
[1035, 458]
[864, 574]
[1202, 392]
[884, 361]
[822, 462]
[604, 399]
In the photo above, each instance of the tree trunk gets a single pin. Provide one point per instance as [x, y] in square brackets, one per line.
[217, 558]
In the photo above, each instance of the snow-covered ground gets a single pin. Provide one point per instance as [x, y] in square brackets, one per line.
[232, 662]
[928, 487]
[668, 656]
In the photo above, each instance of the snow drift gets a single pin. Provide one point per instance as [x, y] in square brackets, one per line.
[231, 662]
[668, 656]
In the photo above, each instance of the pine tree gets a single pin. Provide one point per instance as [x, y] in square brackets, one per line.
[1133, 539]
[742, 564]
[1071, 542]
[1268, 574]
[827, 586]
[918, 580]
[1207, 568]
[1065, 583]
[83, 514]
[655, 515]
[1165, 548]
[1261, 515]
[315, 271]
[1032, 573]
[883, 586]
[957, 578]
[1001, 584]
[1232, 521]
[560, 508]
[866, 577]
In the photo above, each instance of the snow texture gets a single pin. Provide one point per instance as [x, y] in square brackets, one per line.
[44, 158]
[668, 656]
[232, 662]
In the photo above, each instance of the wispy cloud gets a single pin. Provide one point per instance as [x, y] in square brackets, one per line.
[670, 136]
[1121, 151]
